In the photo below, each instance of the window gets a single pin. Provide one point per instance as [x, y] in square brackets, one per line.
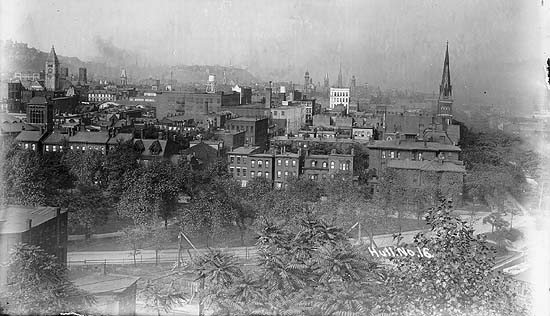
[252, 163]
[383, 154]
[325, 164]
[244, 172]
[267, 175]
[252, 174]
[332, 165]
[238, 171]
[294, 173]
[54, 148]
[392, 154]
[259, 163]
[286, 162]
[259, 173]
[282, 113]
[231, 169]
[238, 159]
[398, 155]
[274, 113]
[419, 156]
[231, 159]
[267, 163]
[286, 174]
[47, 147]
[278, 174]
[313, 163]
[278, 162]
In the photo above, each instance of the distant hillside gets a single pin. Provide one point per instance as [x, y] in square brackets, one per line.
[18, 57]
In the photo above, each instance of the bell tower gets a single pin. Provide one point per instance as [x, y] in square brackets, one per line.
[52, 71]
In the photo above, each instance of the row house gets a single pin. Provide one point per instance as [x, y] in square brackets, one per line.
[102, 95]
[239, 164]
[319, 167]
[381, 152]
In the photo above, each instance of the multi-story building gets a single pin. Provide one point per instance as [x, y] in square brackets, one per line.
[294, 117]
[256, 130]
[240, 166]
[382, 152]
[84, 140]
[102, 95]
[286, 165]
[41, 226]
[261, 166]
[318, 167]
[245, 94]
[339, 96]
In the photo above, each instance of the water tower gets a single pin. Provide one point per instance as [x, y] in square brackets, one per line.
[211, 84]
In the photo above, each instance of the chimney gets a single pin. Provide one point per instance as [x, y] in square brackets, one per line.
[353, 152]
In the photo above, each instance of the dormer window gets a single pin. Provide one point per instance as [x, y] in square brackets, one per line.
[155, 148]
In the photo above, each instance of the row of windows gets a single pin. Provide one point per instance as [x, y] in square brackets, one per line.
[316, 176]
[342, 165]
[340, 94]
[260, 163]
[275, 113]
[397, 155]
[340, 100]
[242, 128]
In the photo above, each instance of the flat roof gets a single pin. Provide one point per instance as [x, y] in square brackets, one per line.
[89, 137]
[247, 119]
[393, 144]
[105, 283]
[15, 218]
[426, 165]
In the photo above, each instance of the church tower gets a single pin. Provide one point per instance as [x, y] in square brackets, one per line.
[52, 71]
[306, 82]
[445, 101]
[327, 83]
[340, 77]
[123, 77]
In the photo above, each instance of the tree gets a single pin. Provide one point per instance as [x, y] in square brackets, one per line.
[38, 284]
[87, 208]
[457, 279]
[149, 193]
[135, 237]
[86, 166]
[120, 160]
[160, 298]
[159, 239]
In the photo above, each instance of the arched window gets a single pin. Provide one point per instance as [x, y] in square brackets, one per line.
[325, 164]
[332, 165]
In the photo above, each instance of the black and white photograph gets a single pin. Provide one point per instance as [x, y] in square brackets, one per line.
[275, 158]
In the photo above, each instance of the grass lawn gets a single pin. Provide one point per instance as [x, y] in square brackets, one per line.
[232, 238]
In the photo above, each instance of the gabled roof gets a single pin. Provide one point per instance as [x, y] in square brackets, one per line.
[123, 137]
[426, 165]
[150, 146]
[29, 136]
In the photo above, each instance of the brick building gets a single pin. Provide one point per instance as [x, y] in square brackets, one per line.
[286, 165]
[41, 226]
[256, 130]
[317, 167]
[240, 166]
[382, 152]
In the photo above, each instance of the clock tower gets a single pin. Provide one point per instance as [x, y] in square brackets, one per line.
[52, 71]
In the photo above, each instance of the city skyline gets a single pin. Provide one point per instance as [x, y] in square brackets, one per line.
[495, 47]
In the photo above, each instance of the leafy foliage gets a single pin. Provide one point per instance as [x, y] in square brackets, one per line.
[160, 298]
[38, 284]
[457, 280]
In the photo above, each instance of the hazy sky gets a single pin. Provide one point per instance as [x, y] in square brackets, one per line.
[397, 42]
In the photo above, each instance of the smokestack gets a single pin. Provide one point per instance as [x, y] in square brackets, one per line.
[268, 96]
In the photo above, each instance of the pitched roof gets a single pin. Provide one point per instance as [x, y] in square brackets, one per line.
[245, 150]
[89, 137]
[15, 218]
[56, 138]
[52, 56]
[123, 137]
[427, 146]
[426, 165]
[38, 100]
[29, 136]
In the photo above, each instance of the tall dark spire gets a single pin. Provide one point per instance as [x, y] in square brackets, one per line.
[445, 89]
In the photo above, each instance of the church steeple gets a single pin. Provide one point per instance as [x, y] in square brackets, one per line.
[445, 89]
[445, 100]
[340, 77]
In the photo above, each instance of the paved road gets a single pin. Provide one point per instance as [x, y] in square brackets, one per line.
[245, 253]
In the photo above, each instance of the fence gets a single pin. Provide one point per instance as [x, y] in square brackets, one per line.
[246, 255]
